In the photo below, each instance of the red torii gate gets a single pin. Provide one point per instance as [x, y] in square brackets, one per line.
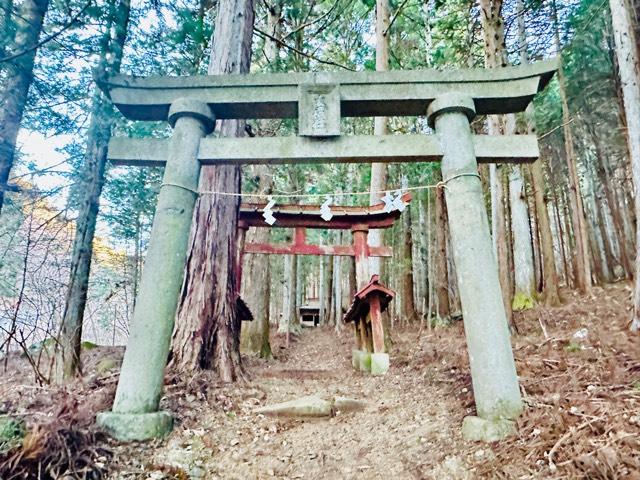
[300, 217]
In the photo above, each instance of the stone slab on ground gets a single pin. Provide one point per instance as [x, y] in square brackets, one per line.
[312, 406]
[346, 404]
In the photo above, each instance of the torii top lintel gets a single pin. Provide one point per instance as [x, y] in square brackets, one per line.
[368, 93]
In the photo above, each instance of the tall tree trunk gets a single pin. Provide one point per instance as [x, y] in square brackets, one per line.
[207, 333]
[328, 291]
[627, 53]
[379, 170]
[408, 298]
[442, 272]
[337, 285]
[6, 28]
[289, 322]
[626, 258]
[92, 173]
[274, 28]
[495, 57]
[524, 273]
[523, 258]
[18, 75]
[581, 243]
[550, 282]
[256, 285]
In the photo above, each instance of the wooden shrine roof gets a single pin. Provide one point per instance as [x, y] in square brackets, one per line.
[360, 306]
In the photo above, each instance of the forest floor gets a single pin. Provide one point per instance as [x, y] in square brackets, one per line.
[579, 369]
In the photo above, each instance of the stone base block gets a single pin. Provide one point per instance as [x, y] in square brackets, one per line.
[379, 363]
[480, 429]
[355, 359]
[129, 427]
[365, 361]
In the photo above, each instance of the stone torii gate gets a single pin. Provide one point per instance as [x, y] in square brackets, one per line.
[450, 100]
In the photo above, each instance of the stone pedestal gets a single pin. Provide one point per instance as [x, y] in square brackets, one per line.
[495, 383]
[130, 427]
[364, 364]
[379, 363]
[135, 413]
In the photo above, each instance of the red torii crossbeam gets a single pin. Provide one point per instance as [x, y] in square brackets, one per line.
[300, 217]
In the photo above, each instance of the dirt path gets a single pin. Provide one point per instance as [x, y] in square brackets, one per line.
[404, 433]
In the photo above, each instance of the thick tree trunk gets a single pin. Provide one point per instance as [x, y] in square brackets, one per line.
[18, 75]
[92, 173]
[629, 63]
[524, 273]
[207, 333]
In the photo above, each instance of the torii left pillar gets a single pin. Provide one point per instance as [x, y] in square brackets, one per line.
[135, 414]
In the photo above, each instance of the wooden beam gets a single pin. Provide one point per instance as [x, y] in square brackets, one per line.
[276, 95]
[146, 152]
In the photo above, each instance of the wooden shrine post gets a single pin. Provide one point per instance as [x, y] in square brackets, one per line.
[320, 100]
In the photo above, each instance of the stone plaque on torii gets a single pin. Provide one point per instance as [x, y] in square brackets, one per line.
[450, 99]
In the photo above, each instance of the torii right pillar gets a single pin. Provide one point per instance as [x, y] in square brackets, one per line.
[493, 372]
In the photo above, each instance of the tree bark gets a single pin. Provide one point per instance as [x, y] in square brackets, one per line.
[289, 322]
[627, 54]
[442, 272]
[18, 76]
[328, 291]
[207, 333]
[408, 298]
[68, 364]
[524, 273]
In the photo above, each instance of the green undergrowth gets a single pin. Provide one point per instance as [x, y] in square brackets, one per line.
[522, 301]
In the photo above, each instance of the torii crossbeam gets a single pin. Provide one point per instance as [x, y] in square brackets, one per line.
[357, 219]
[450, 100]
